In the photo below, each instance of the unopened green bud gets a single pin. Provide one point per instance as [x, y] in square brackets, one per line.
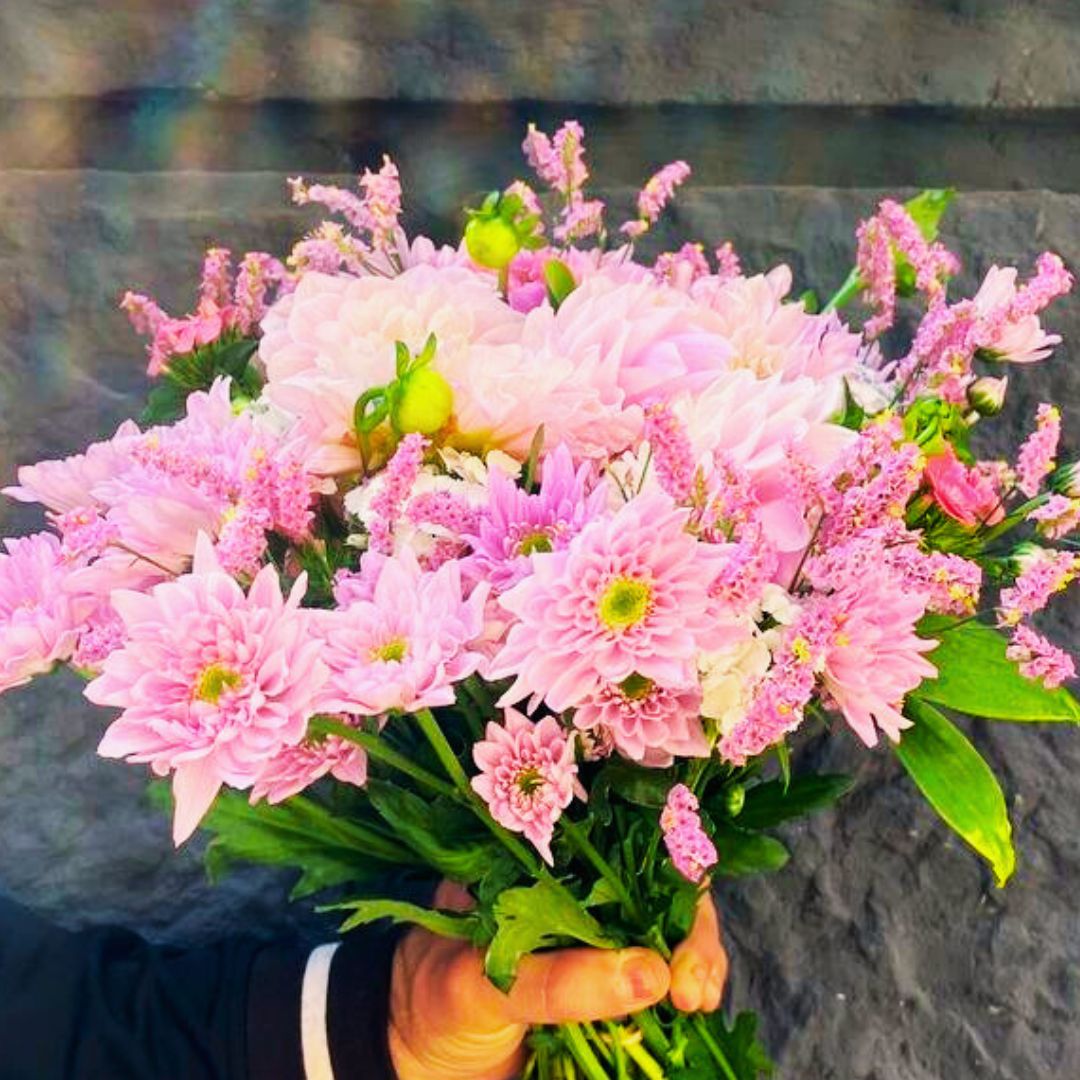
[1066, 480]
[735, 799]
[423, 404]
[491, 242]
[1025, 555]
[986, 395]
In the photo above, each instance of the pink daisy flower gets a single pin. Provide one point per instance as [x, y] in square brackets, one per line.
[40, 620]
[405, 647]
[645, 721]
[212, 682]
[630, 594]
[516, 524]
[295, 768]
[527, 776]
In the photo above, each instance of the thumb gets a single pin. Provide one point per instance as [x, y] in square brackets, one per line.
[581, 985]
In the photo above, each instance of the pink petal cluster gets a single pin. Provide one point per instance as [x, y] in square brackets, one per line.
[1039, 658]
[213, 682]
[404, 648]
[1043, 574]
[965, 492]
[1038, 453]
[689, 846]
[295, 768]
[629, 594]
[654, 196]
[40, 620]
[527, 776]
[1013, 332]
[374, 213]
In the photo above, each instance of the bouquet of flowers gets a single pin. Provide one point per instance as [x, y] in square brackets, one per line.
[521, 564]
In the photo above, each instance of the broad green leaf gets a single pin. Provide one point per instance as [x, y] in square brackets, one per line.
[742, 853]
[975, 677]
[446, 836]
[958, 784]
[768, 804]
[603, 892]
[637, 784]
[713, 1041]
[532, 918]
[559, 281]
[297, 834]
[444, 923]
[927, 209]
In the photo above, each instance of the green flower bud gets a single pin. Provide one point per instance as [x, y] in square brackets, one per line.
[986, 395]
[423, 403]
[491, 242]
[1026, 554]
[735, 799]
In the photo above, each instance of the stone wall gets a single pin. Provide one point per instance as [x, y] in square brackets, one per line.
[883, 952]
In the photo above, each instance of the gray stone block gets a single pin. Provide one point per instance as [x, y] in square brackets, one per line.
[993, 53]
[883, 952]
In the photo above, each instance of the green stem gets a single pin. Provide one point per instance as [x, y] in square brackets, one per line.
[853, 285]
[701, 1026]
[644, 1060]
[475, 688]
[615, 1032]
[602, 867]
[379, 750]
[582, 1052]
[467, 707]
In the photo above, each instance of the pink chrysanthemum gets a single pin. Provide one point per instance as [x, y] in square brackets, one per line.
[212, 682]
[406, 646]
[629, 594]
[646, 722]
[295, 768]
[873, 657]
[527, 775]
[515, 524]
[689, 846]
[40, 620]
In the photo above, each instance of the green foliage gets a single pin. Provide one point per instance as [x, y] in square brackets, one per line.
[770, 804]
[716, 1050]
[297, 834]
[927, 209]
[559, 281]
[958, 784]
[535, 917]
[197, 370]
[635, 784]
[742, 852]
[975, 677]
[853, 415]
[447, 837]
[451, 924]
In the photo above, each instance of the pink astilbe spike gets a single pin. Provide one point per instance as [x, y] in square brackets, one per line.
[689, 846]
[1038, 453]
[1039, 658]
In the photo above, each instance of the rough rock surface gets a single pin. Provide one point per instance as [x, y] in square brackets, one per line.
[883, 952]
[995, 53]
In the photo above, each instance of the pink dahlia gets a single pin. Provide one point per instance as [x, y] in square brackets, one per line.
[40, 620]
[527, 775]
[295, 768]
[874, 658]
[645, 721]
[516, 524]
[629, 594]
[213, 683]
[405, 647]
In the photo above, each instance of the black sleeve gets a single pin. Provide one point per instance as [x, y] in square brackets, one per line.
[105, 1004]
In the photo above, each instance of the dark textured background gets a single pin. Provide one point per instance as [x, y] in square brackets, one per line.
[134, 133]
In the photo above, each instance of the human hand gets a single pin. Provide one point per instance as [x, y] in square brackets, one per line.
[448, 1022]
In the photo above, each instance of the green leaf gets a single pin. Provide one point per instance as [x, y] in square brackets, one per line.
[737, 1045]
[559, 281]
[535, 917]
[297, 834]
[742, 853]
[444, 923]
[637, 784]
[927, 209]
[958, 784]
[768, 804]
[975, 677]
[164, 405]
[446, 836]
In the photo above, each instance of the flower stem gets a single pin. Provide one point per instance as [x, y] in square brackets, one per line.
[847, 292]
[582, 1052]
[380, 751]
[701, 1026]
[602, 867]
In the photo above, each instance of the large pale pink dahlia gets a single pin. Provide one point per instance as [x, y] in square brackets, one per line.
[527, 775]
[405, 647]
[213, 683]
[630, 594]
[335, 337]
[40, 619]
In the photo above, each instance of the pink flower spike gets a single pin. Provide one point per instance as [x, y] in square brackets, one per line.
[527, 776]
[1045, 573]
[655, 195]
[1039, 658]
[672, 453]
[1038, 454]
[689, 846]
[213, 683]
[215, 288]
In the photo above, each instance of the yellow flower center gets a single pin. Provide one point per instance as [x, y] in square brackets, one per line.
[635, 687]
[626, 601]
[529, 781]
[534, 542]
[394, 650]
[214, 681]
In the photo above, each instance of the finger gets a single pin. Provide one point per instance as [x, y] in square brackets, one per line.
[453, 897]
[699, 964]
[580, 985]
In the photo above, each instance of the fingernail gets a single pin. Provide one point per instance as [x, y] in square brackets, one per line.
[642, 978]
